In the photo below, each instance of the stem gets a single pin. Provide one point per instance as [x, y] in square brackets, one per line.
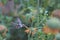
[38, 11]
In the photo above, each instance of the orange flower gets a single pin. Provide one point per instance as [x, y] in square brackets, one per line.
[2, 27]
[33, 33]
[27, 31]
[49, 30]
[54, 31]
[46, 30]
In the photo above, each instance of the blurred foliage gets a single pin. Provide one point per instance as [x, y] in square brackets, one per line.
[33, 17]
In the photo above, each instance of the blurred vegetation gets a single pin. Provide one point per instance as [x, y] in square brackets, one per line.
[33, 17]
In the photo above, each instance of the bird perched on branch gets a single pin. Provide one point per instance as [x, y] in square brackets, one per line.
[17, 31]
